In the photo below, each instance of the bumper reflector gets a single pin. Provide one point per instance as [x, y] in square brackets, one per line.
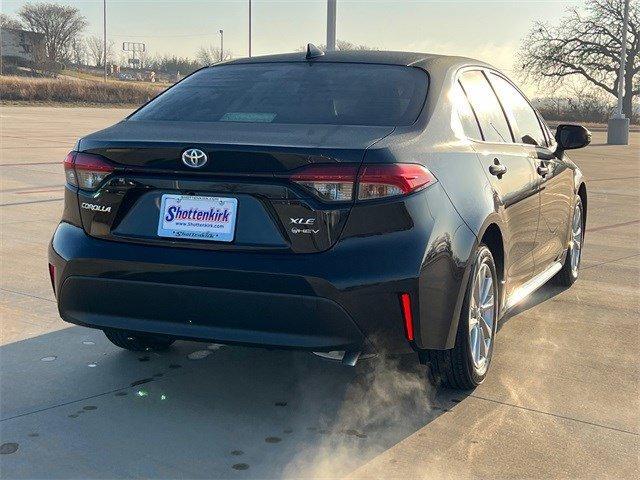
[52, 275]
[405, 304]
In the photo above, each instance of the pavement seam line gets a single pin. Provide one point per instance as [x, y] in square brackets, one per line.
[31, 201]
[27, 164]
[27, 295]
[592, 180]
[70, 402]
[613, 260]
[31, 188]
[613, 225]
[63, 404]
[564, 417]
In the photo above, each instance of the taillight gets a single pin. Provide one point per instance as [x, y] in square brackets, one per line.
[337, 182]
[392, 179]
[331, 183]
[69, 171]
[86, 171]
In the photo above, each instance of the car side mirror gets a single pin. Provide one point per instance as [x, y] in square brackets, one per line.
[570, 137]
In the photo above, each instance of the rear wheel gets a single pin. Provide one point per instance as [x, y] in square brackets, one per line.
[571, 268]
[466, 365]
[138, 342]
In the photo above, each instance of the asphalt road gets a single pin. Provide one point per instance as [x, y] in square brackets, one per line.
[562, 400]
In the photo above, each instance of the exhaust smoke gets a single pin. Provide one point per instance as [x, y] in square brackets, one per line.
[385, 400]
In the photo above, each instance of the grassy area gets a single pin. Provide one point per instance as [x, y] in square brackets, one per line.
[98, 78]
[78, 92]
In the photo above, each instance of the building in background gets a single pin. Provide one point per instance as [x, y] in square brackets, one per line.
[20, 48]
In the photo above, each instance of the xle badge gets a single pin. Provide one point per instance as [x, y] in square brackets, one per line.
[303, 221]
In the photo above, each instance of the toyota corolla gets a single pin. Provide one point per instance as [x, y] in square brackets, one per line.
[339, 203]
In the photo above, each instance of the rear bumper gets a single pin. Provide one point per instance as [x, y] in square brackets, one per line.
[231, 316]
[245, 298]
[343, 298]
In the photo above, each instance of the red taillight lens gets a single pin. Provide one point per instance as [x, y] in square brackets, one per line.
[331, 183]
[389, 180]
[69, 171]
[85, 170]
[336, 183]
[52, 275]
[407, 316]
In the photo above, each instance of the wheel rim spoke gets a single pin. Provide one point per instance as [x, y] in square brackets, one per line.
[477, 342]
[576, 240]
[488, 306]
[486, 324]
[482, 315]
[486, 285]
[477, 294]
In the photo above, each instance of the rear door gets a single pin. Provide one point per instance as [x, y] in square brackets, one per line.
[554, 179]
[510, 171]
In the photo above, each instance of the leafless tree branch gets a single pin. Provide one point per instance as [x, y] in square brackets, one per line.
[586, 46]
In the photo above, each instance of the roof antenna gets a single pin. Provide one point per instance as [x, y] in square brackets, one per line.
[313, 52]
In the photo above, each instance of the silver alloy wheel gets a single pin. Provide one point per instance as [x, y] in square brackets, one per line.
[482, 316]
[576, 239]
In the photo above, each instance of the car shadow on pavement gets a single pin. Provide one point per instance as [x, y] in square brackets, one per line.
[544, 293]
[201, 410]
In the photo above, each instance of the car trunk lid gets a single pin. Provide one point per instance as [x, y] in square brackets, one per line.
[251, 163]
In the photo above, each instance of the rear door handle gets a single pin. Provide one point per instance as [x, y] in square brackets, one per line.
[497, 168]
[543, 170]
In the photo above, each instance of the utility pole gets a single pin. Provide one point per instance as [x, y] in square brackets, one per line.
[104, 36]
[618, 127]
[221, 45]
[331, 25]
[249, 28]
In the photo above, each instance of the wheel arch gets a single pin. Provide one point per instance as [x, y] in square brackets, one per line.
[493, 239]
[582, 193]
[491, 234]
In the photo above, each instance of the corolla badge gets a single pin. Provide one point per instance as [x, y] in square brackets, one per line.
[194, 158]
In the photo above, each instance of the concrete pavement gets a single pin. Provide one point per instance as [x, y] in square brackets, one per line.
[562, 399]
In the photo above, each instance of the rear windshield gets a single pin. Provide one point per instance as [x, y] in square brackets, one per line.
[300, 93]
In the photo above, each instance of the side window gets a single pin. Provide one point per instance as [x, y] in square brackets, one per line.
[550, 137]
[493, 123]
[524, 120]
[465, 113]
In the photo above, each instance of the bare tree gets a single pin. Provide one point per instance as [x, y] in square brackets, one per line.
[586, 46]
[344, 45]
[210, 55]
[95, 50]
[79, 51]
[9, 22]
[341, 45]
[59, 24]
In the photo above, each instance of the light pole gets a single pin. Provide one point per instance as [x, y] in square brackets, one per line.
[618, 127]
[249, 28]
[331, 25]
[104, 36]
[221, 45]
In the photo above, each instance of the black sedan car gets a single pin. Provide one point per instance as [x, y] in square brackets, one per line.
[340, 203]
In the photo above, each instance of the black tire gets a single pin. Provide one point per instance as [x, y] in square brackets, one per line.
[454, 368]
[138, 342]
[567, 276]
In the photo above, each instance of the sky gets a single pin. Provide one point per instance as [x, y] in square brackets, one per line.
[486, 30]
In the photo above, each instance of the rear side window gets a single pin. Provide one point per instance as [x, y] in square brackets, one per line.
[522, 117]
[298, 93]
[465, 113]
[486, 106]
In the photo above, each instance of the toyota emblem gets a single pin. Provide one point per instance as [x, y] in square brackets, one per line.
[194, 158]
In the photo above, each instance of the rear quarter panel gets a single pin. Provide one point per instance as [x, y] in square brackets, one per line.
[462, 206]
